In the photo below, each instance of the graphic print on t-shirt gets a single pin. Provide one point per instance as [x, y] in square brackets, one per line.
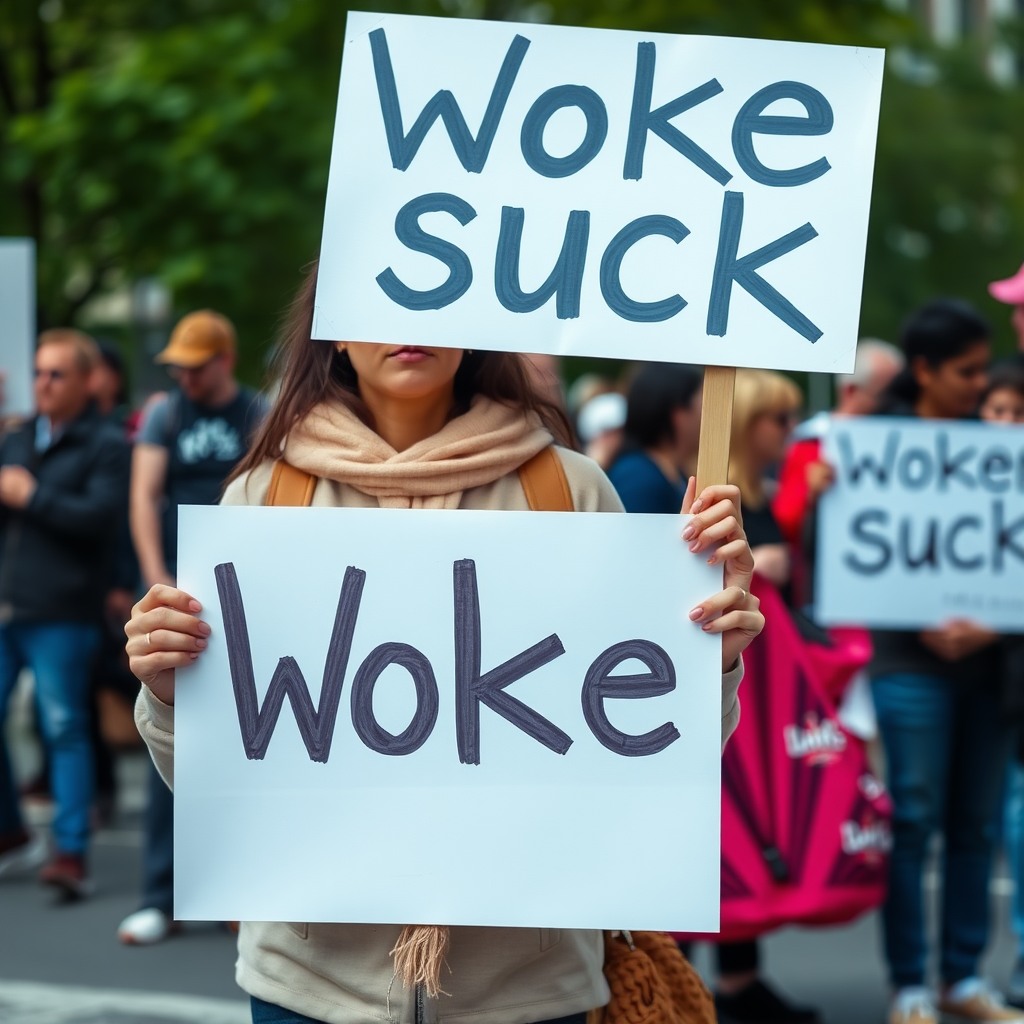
[209, 439]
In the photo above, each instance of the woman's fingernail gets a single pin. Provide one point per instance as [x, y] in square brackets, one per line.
[695, 546]
[195, 606]
[193, 655]
[696, 507]
[712, 560]
[204, 629]
[706, 626]
[201, 644]
[688, 533]
[696, 613]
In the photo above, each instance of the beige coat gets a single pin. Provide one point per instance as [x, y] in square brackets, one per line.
[343, 973]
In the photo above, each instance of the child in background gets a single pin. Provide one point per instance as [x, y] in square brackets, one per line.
[1003, 399]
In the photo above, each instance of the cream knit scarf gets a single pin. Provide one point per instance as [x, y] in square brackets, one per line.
[477, 448]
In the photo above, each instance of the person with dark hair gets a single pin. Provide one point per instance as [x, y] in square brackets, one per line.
[1002, 401]
[947, 347]
[947, 745]
[409, 427]
[661, 435]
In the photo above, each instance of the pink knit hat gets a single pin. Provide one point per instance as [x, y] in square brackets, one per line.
[1010, 291]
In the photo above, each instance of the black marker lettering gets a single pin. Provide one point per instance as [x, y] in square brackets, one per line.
[599, 686]
[473, 689]
[257, 724]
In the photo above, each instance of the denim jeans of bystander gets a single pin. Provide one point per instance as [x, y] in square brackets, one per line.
[946, 746]
[60, 656]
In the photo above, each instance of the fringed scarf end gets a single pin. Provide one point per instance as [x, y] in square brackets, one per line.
[419, 953]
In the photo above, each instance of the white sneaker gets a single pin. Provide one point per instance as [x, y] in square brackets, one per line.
[974, 1000]
[26, 856]
[145, 927]
[913, 1005]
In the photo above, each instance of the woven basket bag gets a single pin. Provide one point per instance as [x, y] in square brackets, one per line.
[651, 983]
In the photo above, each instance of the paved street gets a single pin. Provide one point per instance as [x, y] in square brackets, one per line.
[63, 964]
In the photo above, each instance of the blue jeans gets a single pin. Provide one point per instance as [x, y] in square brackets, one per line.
[267, 1013]
[946, 748]
[1013, 840]
[158, 850]
[60, 655]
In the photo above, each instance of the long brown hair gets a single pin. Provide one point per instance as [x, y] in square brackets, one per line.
[312, 372]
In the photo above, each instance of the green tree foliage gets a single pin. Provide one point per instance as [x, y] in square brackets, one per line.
[185, 140]
[190, 140]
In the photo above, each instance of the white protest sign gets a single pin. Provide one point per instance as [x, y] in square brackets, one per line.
[537, 188]
[424, 790]
[17, 324]
[925, 523]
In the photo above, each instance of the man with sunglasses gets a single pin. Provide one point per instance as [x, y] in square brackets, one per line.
[187, 446]
[63, 487]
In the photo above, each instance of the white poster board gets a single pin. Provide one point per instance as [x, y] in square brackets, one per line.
[593, 192]
[925, 524]
[17, 324]
[395, 823]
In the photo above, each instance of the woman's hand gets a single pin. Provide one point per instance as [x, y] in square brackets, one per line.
[164, 634]
[734, 611]
[820, 477]
[957, 639]
[773, 563]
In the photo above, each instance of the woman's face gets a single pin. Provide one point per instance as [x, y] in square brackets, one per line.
[953, 388]
[769, 432]
[1003, 405]
[402, 372]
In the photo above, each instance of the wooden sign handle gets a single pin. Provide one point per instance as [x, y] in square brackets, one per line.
[715, 426]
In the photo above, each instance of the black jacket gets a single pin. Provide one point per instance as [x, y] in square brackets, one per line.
[55, 553]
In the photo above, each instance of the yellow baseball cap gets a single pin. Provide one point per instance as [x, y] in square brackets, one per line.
[198, 337]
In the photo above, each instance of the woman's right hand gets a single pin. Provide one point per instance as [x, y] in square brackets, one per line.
[164, 633]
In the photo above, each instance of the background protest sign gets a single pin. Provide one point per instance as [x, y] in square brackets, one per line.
[925, 523]
[595, 192]
[435, 795]
[17, 324]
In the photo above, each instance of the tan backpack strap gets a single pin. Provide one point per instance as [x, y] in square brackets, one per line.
[290, 486]
[544, 482]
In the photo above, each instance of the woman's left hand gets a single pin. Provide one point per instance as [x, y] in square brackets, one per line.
[733, 612]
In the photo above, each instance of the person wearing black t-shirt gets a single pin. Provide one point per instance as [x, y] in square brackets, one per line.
[189, 443]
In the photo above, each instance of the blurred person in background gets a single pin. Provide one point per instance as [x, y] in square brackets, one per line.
[1003, 402]
[115, 688]
[1011, 291]
[937, 697]
[766, 406]
[661, 435]
[187, 446]
[63, 483]
[599, 426]
[804, 475]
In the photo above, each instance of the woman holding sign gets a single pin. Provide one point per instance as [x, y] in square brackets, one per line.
[937, 698]
[411, 427]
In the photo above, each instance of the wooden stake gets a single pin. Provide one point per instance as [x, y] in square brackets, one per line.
[715, 426]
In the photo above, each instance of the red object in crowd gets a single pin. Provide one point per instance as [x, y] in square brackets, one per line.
[805, 825]
[792, 500]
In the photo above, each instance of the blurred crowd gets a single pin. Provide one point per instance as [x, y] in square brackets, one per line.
[89, 491]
